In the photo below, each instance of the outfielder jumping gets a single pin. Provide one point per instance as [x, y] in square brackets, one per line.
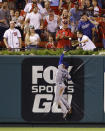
[62, 75]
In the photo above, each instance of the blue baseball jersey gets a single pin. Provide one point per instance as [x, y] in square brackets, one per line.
[86, 28]
[62, 74]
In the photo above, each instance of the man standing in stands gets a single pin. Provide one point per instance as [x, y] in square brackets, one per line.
[30, 6]
[12, 37]
[35, 19]
[86, 26]
[63, 35]
[4, 19]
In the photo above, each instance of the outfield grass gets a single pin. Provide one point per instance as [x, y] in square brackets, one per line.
[52, 129]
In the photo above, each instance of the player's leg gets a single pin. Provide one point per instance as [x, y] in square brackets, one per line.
[61, 97]
[58, 95]
[65, 103]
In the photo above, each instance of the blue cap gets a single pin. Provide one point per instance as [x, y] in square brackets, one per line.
[65, 64]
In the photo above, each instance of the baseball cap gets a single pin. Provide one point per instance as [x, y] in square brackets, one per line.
[66, 64]
[31, 27]
[21, 18]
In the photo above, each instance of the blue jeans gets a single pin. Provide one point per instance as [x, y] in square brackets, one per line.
[29, 47]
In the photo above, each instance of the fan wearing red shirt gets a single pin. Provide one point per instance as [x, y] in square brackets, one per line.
[50, 44]
[63, 35]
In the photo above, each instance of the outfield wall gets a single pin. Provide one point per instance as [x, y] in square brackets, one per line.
[27, 85]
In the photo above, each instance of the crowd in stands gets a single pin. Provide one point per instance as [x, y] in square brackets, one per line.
[52, 24]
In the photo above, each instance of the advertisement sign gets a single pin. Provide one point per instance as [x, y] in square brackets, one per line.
[38, 90]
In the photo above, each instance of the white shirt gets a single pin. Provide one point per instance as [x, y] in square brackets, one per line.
[62, 74]
[96, 10]
[12, 37]
[28, 8]
[52, 25]
[45, 13]
[89, 45]
[34, 19]
[34, 39]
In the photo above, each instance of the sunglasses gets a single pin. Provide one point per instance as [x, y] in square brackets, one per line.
[65, 22]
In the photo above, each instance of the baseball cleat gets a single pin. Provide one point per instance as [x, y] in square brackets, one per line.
[64, 116]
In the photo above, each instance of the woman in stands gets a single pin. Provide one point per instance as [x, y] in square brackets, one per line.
[32, 39]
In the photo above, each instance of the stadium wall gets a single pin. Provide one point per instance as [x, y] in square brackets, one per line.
[19, 89]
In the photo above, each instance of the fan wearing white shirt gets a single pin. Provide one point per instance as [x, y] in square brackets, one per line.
[29, 7]
[35, 19]
[32, 39]
[12, 37]
[84, 42]
[95, 7]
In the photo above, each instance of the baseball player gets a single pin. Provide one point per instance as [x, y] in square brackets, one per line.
[62, 75]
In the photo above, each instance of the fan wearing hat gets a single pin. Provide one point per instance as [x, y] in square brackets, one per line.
[12, 37]
[32, 39]
[62, 75]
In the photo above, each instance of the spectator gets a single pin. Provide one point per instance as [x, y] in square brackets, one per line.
[16, 17]
[0, 4]
[88, 8]
[95, 8]
[12, 14]
[65, 4]
[12, 37]
[84, 42]
[51, 22]
[75, 15]
[7, 11]
[86, 26]
[30, 6]
[63, 35]
[3, 21]
[35, 19]
[20, 4]
[28, 1]
[32, 39]
[46, 9]
[65, 15]
[20, 26]
[12, 4]
[50, 44]
[54, 4]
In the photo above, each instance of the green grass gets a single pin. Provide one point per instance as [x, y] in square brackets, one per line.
[51, 129]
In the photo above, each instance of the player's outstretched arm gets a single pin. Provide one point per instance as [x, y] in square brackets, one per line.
[61, 59]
